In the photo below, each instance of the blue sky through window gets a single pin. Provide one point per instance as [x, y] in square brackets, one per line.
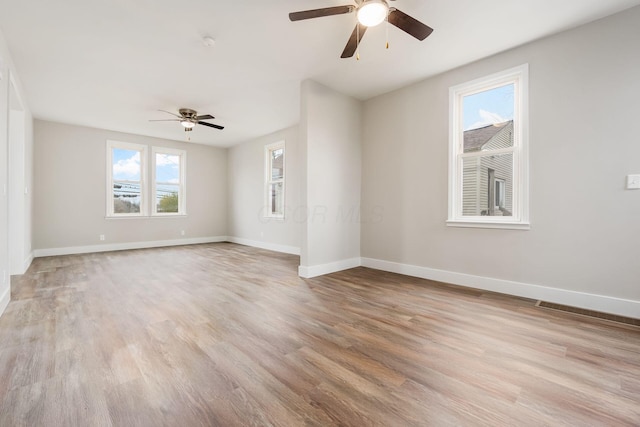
[167, 168]
[126, 165]
[488, 107]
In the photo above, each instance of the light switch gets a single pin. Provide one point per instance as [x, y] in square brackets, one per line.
[633, 182]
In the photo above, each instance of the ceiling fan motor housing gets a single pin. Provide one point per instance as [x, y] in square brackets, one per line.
[188, 113]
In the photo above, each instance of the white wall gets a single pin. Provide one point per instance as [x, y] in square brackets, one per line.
[330, 155]
[584, 103]
[70, 194]
[16, 145]
[247, 224]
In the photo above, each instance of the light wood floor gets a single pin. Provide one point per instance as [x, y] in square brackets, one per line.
[227, 335]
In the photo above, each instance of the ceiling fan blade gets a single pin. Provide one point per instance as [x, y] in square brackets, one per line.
[205, 117]
[409, 25]
[173, 114]
[211, 125]
[166, 120]
[354, 41]
[318, 13]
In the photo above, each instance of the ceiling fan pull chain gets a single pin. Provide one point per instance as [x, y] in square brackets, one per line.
[357, 40]
[386, 27]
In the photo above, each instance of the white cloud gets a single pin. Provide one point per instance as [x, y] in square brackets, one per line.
[127, 168]
[487, 118]
[167, 159]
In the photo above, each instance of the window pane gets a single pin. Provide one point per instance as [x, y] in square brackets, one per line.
[167, 198]
[126, 197]
[487, 185]
[488, 119]
[167, 168]
[276, 194]
[126, 165]
[277, 164]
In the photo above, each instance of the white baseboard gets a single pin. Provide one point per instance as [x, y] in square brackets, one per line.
[310, 271]
[5, 298]
[605, 304]
[265, 245]
[124, 246]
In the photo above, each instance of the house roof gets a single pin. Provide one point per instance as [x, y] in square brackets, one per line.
[474, 139]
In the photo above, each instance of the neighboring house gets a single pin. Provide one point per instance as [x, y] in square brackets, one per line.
[488, 179]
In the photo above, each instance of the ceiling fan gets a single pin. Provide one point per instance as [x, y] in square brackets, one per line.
[369, 13]
[189, 119]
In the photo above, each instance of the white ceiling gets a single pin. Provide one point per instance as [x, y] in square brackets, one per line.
[113, 63]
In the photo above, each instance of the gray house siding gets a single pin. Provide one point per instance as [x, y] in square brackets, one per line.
[478, 183]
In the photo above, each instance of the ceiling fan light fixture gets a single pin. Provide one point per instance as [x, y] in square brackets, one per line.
[373, 12]
[187, 124]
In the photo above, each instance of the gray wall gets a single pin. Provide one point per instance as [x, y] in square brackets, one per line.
[246, 166]
[584, 102]
[70, 191]
[330, 138]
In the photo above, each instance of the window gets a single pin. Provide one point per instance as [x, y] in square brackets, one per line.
[168, 181]
[488, 153]
[274, 180]
[127, 173]
[126, 183]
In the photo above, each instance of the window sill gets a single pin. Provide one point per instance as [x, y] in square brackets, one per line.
[168, 216]
[493, 224]
[145, 216]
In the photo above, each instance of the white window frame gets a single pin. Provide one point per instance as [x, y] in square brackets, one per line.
[144, 194]
[499, 194]
[268, 149]
[519, 77]
[182, 187]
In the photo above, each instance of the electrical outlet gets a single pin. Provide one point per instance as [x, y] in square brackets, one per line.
[182, 232]
[102, 237]
[633, 182]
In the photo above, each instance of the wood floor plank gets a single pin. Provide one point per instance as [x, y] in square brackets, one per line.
[229, 335]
